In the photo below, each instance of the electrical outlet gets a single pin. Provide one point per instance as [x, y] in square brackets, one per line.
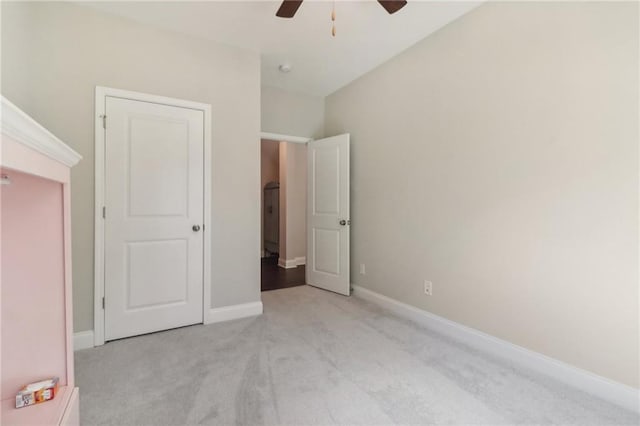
[362, 269]
[428, 288]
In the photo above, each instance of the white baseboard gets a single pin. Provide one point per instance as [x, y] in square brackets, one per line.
[609, 390]
[228, 313]
[291, 263]
[287, 263]
[82, 340]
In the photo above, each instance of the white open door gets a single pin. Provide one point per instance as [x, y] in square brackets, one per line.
[328, 214]
[154, 217]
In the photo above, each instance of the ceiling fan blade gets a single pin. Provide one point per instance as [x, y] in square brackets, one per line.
[288, 8]
[392, 6]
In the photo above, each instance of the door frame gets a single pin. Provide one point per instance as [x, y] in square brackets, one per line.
[284, 138]
[101, 93]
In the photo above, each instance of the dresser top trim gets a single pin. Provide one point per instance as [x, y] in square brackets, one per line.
[19, 126]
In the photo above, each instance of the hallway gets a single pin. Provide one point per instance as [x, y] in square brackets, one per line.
[274, 277]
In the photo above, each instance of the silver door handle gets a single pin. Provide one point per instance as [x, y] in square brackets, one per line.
[195, 228]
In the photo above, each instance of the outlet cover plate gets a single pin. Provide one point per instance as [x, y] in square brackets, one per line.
[428, 288]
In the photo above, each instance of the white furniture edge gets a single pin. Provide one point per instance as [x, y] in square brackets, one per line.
[228, 313]
[83, 340]
[284, 138]
[38, 147]
[21, 127]
[100, 94]
[601, 387]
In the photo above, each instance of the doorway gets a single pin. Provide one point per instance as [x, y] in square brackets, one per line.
[314, 211]
[283, 211]
[152, 198]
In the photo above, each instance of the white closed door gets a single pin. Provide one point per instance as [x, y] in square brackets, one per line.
[328, 214]
[154, 203]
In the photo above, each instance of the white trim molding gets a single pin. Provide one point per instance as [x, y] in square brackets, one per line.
[286, 263]
[101, 93]
[21, 127]
[83, 340]
[606, 389]
[291, 263]
[228, 313]
[284, 138]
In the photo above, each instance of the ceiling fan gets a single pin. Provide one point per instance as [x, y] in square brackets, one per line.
[288, 8]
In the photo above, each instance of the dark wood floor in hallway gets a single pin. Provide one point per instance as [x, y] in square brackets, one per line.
[275, 277]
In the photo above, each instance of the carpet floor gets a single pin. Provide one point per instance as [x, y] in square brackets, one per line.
[318, 358]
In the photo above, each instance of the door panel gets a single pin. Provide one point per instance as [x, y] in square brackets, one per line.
[154, 195]
[326, 250]
[163, 263]
[326, 180]
[158, 167]
[328, 214]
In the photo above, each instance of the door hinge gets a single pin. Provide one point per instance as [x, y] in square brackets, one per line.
[103, 303]
[104, 121]
[104, 212]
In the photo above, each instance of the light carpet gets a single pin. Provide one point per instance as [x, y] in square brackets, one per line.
[318, 358]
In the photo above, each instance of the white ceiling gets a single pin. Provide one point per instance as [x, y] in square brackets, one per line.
[366, 35]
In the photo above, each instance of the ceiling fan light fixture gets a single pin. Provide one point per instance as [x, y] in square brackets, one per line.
[288, 8]
[392, 6]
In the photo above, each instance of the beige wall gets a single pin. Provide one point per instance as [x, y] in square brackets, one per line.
[293, 201]
[270, 172]
[296, 220]
[498, 158]
[54, 54]
[293, 114]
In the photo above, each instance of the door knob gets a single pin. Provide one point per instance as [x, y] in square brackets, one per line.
[343, 222]
[195, 228]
